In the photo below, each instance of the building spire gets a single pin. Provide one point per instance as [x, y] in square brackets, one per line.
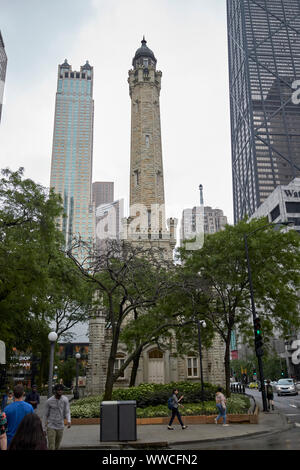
[201, 195]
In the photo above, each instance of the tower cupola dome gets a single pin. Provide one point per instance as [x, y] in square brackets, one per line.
[144, 56]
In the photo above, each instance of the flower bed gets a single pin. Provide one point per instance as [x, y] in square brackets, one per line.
[90, 407]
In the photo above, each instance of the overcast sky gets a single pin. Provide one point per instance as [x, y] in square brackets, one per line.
[188, 38]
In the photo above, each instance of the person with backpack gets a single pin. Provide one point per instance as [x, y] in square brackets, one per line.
[270, 395]
[173, 404]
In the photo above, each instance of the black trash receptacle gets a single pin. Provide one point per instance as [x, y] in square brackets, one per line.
[109, 421]
[127, 420]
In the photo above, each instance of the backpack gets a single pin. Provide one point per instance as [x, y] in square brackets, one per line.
[170, 403]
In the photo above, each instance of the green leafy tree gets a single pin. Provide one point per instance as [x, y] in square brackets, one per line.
[221, 266]
[128, 278]
[28, 241]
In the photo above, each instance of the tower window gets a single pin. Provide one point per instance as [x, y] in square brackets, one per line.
[136, 177]
[147, 141]
[145, 61]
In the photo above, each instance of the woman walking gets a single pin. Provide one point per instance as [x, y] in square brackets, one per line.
[221, 406]
[175, 412]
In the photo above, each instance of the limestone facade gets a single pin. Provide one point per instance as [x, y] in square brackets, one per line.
[147, 224]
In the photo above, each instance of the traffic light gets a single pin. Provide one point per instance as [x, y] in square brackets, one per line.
[282, 372]
[254, 371]
[258, 337]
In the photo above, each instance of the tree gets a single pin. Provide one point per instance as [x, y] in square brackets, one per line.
[69, 299]
[128, 278]
[221, 265]
[29, 239]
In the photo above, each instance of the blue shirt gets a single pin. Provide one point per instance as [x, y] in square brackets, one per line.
[15, 412]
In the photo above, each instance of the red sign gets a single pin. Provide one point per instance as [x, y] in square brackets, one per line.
[234, 355]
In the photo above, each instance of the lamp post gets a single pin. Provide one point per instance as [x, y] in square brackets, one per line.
[76, 392]
[199, 324]
[52, 338]
[258, 351]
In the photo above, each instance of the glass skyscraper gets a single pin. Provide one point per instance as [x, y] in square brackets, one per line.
[72, 154]
[264, 63]
[3, 64]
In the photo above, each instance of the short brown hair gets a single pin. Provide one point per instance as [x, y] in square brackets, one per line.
[18, 391]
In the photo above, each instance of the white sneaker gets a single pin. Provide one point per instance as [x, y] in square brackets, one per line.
[215, 420]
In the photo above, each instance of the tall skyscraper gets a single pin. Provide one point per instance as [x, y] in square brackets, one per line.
[147, 219]
[264, 63]
[3, 65]
[72, 154]
[103, 192]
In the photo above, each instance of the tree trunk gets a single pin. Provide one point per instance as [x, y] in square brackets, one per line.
[111, 363]
[135, 366]
[227, 365]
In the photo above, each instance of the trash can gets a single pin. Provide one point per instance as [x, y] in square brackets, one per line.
[109, 421]
[127, 420]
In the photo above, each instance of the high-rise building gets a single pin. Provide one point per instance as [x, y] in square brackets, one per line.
[3, 65]
[109, 222]
[102, 192]
[72, 154]
[201, 219]
[264, 63]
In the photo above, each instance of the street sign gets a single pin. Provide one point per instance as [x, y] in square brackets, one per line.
[2, 353]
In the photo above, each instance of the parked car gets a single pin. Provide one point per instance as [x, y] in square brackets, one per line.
[286, 387]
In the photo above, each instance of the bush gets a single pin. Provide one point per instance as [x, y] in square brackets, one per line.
[90, 408]
[157, 394]
[152, 400]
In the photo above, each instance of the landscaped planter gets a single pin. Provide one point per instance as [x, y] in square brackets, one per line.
[230, 418]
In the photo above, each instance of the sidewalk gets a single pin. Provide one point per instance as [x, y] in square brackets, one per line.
[158, 436]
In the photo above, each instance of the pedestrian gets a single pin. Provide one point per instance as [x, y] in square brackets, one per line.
[270, 395]
[33, 397]
[221, 406]
[16, 411]
[3, 429]
[57, 409]
[29, 435]
[7, 399]
[175, 411]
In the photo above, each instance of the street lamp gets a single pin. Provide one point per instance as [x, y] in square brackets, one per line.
[76, 392]
[52, 338]
[258, 350]
[199, 324]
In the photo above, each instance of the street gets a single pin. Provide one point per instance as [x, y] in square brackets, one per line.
[287, 440]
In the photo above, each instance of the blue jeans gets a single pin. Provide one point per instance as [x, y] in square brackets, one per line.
[175, 412]
[222, 413]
